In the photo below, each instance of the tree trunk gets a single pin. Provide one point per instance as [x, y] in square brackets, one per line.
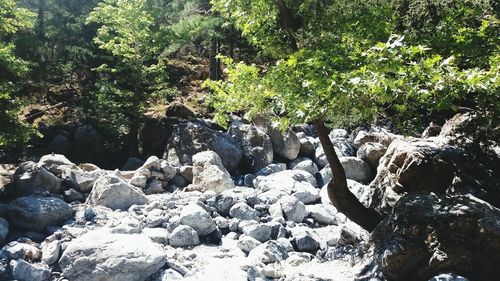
[133, 140]
[40, 29]
[338, 192]
[213, 59]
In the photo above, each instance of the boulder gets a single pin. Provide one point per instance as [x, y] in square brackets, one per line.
[101, 255]
[341, 146]
[56, 164]
[183, 236]
[356, 169]
[113, 192]
[304, 164]
[292, 208]
[29, 179]
[288, 182]
[427, 234]
[338, 133]
[307, 147]
[259, 231]
[371, 152]
[4, 229]
[271, 169]
[60, 144]
[190, 138]
[247, 243]
[81, 180]
[255, 144]
[411, 165]
[17, 250]
[88, 144]
[269, 252]
[209, 174]
[242, 211]
[24, 271]
[286, 145]
[198, 218]
[36, 213]
[50, 252]
[305, 242]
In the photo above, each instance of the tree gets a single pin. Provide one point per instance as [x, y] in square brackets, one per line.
[12, 20]
[336, 61]
[136, 72]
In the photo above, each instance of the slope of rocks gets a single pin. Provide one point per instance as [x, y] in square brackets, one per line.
[249, 204]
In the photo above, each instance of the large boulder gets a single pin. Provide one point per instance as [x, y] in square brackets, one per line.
[29, 179]
[411, 165]
[36, 213]
[190, 138]
[286, 145]
[256, 145]
[371, 152]
[342, 147]
[88, 144]
[356, 169]
[101, 255]
[4, 229]
[55, 163]
[113, 192]
[299, 183]
[198, 218]
[427, 234]
[209, 173]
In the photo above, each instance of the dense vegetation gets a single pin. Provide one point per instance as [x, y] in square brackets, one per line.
[316, 61]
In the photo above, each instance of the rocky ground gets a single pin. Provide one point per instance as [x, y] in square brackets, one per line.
[250, 204]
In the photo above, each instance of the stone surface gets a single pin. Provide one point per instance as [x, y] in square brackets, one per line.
[256, 145]
[342, 147]
[356, 169]
[448, 277]
[198, 218]
[427, 234]
[100, 255]
[183, 236]
[190, 138]
[50, 252]
[292, 208]
[17, 250]
[271, 169]
[307, 147]
[305, 242]
[55, 163]
[24, 271]
[4, 229]
[304, 164]
[209, 174]
[247, 243]
[113, 192]
[410, 165]
[242, 211]
[322, 214]
[36, 213]
[29, 179]
[88, 144]
[259, 231]
[286, 144]
[81, 180]
[269, 252]
[371, 152]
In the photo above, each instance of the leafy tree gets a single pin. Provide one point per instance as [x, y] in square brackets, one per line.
[12, 68]
[337, 61]
[136, 74]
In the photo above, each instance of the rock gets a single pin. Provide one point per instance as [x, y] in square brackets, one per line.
[286, 144]
[195, 216]
[307, 148]
[60, 145]
[256, 145]
[248, 180]
[24, 271]
[113, 192]
[361, 138]
[224, 202]
[81, 180]
[4, 229]
[29, 179]
[55, 163]
[305, 242]
[286, 180]
[88, 144]
[242, 211]
[179, 181]
[132, 164]
[407, 166]
[153, 187]
[341, 146]
[17, 250]
[36, 213]
[247, 243]
[100, 255]
[50, 252]
[356, 169]
[179, 110]
[259, 231]
[322, 214]
[183, 236]
[371, 152]
[448, 277]
[326, 174]
[450, 126]
[292, 208]
[338, 133]
[269, 252]
[140, 178]
[72, 195]
[432, 130]
[209, 173]
[189, 138]
[168, 275]
[187, 173]
[359, 190]
[304, 164]
[271, 169]
[427, 234]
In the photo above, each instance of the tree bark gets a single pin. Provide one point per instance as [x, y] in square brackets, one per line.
[338, 192]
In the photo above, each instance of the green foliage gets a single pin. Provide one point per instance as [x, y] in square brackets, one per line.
[12, 68]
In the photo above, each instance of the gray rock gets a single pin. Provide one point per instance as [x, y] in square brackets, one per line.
[307, 148]
[29, 179]
[248, 180]
[338, 133]
[132, 164]
[209, 173]
[36, 213]
[305, 242]
[100, 255]
[322, 214]
[448, 277]
[269, 252]
[55, 163]
[247, 243]
[81, 180]
[179, 181]
[259, 231]
[293, 209]
[341, 146]
[371, 152]
[60, 144]
[256, 145]
[158, 235]
[195, 216]
[17, 250]
[304, 164]
[153, 187]
[183, 236]
[88, 144]
[113, 192]
[242, 211]
[72, 195]
[187, 173]
[169, 274]
[24, 271]
[285, 144]
[224, 202]
[189, 138]
[50, 252]
[356, 169]
[271, 169]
